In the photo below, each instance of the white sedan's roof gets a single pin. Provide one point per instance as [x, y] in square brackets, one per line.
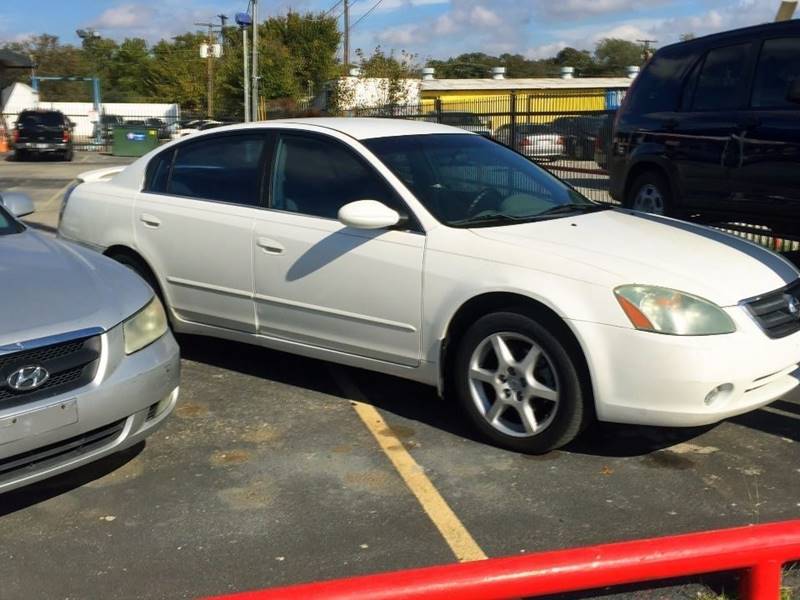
[360, 128]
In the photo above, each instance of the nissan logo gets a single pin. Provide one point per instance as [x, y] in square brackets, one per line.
[28, 378]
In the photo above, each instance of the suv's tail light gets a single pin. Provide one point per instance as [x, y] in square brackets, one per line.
[16, 135]
[65, 136]
[560, 139]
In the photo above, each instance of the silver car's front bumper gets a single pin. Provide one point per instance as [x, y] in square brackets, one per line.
[129, 397]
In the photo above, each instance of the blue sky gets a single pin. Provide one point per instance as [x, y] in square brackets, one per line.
[427, 28]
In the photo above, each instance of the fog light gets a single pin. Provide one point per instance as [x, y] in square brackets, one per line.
[163, 404]
[718, 393]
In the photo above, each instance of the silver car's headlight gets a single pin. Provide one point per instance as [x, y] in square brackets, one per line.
[663, 310]
[145, 327]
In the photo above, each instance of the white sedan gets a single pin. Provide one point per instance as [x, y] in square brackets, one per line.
[431, 253]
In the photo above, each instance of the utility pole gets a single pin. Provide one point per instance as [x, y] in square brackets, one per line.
[346, 37]
[254, 98]
[647, 52]
[209, 66]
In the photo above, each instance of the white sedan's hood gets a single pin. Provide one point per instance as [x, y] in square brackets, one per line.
[629, 247]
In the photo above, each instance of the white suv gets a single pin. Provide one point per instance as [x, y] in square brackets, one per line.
[432, 253]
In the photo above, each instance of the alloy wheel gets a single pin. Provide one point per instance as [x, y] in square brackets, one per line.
[649, 199]
[513, 384]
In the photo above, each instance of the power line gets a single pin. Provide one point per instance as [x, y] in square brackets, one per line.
[332, 8]
[366, 14]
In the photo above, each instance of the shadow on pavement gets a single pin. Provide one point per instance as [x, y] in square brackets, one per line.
[55, 486]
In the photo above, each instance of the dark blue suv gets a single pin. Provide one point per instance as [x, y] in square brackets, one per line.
[711, 128]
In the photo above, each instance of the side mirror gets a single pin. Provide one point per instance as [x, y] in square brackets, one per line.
[793, 95]
[368, 214]
[17, 203]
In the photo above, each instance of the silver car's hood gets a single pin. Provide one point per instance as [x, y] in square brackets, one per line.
[50, 287]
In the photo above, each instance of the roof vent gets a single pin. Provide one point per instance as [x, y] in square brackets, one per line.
[498, 72]
[567, 72]
[428, 74]
[632, 71]
[355, 72]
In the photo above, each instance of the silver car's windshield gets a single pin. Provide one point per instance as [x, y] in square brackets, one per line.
[7, 224]
[469, 181]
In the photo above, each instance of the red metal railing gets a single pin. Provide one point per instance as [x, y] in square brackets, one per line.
[759, 551]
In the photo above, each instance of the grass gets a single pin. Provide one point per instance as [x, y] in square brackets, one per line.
[786, 594]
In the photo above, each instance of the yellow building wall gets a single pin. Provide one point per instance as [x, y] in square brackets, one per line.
[527, 101]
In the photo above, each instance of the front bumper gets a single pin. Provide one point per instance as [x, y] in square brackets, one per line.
[128, 399]
[646, 378]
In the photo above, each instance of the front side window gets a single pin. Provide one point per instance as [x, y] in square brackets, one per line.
[225, 168]
[316, 177]
[722, 79]
[778, 67]
[469, 181]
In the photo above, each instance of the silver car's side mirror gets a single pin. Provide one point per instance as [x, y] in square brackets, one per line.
[368, 214]
[18, 204]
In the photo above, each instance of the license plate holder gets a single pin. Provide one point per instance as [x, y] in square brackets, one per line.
[40, 420]
[42, 146]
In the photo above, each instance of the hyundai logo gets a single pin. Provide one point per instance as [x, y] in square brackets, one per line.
[793, 304]
[27, 378]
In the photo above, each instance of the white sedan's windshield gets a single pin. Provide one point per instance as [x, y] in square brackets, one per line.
[468, 181]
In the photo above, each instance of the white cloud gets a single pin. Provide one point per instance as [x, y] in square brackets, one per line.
[545, 50]
[125, 16]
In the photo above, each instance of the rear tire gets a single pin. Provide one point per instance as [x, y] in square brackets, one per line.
[519, 384]
[650, 192]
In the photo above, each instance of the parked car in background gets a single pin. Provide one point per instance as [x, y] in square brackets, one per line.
[465, 120]
[432, 253]
[579, 134]
[711, 126]
[159, 124]
[87, 363]
[40, 132]
[602, 143]
[535, 141]
[104, 127]
[193, 126]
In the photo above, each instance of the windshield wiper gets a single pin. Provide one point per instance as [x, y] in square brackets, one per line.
[488, 220]
[573, 207]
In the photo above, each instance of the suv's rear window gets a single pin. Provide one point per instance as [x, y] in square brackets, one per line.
[778, 67]
[658, 87]
[48, 119]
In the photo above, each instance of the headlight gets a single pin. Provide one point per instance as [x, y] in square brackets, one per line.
[145, 327]
[663, 310]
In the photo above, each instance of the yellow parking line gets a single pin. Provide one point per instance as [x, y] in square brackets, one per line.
[449, 525]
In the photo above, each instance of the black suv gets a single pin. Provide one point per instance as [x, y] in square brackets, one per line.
[711, 127]
[42, 132]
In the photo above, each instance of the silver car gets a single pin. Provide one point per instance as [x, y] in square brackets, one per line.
[87, 363]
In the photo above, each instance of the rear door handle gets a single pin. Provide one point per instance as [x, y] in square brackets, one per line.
[150, 220]
[269, 246]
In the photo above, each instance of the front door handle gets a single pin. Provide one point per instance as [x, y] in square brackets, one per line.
[150, 221]
[269, 246]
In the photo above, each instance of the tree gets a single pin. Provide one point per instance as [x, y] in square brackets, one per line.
[466, 66]
[685, 37]
[126, 74]
[311, 40]
[613, 55]
[581, 60]
[177, 73]
[56, 59]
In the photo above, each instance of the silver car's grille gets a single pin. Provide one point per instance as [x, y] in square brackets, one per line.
[778, 312]
[70, 365]
[41, 458]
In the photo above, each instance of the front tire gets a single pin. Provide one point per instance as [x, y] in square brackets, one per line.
[519, 385]
[650, 192]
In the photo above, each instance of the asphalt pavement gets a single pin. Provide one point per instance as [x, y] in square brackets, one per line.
[271, 471]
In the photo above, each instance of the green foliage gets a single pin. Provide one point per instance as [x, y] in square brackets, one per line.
[613, 55]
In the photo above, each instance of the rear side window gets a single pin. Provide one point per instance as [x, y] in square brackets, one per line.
[658, 87]
[158, 172]
[778, 67]
[222, 168]
[723, 79]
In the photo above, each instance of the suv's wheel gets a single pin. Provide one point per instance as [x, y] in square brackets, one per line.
[519, 385]
[650, 192]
